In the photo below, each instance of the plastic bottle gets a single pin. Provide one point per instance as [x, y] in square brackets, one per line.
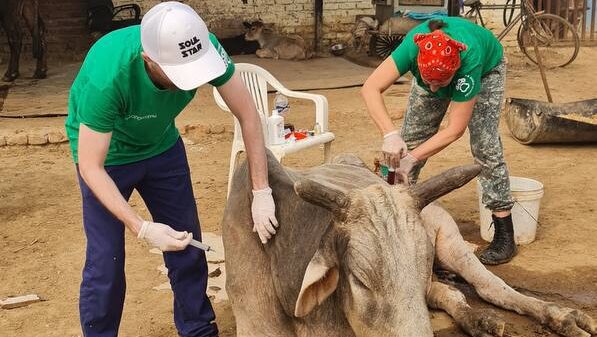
[275, 127]
[281, 104]
[317, 129]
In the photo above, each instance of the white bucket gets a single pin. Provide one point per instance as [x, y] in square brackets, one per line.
[527, 193]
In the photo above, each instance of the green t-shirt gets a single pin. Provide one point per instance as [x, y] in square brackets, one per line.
[113, 93]
[483, 53]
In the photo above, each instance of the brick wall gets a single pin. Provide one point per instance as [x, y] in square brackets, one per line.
[67, 34]
[225, 18]
[68, 38]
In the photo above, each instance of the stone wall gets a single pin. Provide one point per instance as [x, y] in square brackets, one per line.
[225, 18]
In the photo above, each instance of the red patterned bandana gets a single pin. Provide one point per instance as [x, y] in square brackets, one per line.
[439, 56]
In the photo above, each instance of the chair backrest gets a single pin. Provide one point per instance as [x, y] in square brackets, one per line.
[256, 84]
[256, 80]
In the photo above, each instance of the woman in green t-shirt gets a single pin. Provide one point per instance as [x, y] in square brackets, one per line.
[459, 65]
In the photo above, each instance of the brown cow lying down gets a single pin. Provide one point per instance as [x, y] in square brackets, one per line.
[353, 257]
[276, 46]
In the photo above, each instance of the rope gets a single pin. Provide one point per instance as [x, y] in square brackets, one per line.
[529, 213]
[521, 206]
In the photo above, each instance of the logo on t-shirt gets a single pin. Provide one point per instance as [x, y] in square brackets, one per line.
[140, 118]
[224, 55]
[190, 47]
[465, 85]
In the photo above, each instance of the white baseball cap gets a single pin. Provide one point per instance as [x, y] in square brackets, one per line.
[176, 38]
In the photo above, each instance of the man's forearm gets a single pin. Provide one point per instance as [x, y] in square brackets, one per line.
[241, 104]
[255, 147]
[107, 193]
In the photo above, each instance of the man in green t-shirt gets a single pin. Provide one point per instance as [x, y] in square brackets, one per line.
[122, 106]
[457, 64]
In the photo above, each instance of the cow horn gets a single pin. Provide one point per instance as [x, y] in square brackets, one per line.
[442, 184]
[319, 194]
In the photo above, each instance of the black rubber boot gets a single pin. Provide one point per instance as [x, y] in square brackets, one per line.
[503, 248]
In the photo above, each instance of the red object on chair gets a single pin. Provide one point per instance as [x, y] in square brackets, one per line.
[297, 135]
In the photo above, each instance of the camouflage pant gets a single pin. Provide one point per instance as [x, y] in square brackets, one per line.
[425, 113]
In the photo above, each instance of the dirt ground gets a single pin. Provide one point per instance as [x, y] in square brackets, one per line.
[42, 245]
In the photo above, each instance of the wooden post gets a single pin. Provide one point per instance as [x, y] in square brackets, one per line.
[568, 10]
[593, 12]
[556, 32]
[574, 14]
[453, 8]
[541, 69]
[318, 24]
[584, 20]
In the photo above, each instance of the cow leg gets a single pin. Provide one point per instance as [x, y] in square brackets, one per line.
[15, 36]
[453, 253]
[264, 53]
[476, 323]
[39, 52]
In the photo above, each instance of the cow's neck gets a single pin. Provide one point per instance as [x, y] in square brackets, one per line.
[325, 320]
[266, 38]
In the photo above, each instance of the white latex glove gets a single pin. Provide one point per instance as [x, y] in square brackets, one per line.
[164, 237]
[406, 165]
[393, 147]
[263, 210]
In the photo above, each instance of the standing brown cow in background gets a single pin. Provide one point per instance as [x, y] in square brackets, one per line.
[12, 12]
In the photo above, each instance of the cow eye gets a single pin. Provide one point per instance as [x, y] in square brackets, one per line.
[358, 282]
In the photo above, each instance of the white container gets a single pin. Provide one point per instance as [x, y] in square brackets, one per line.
[527, 193]
[275, 128]
[281, 104]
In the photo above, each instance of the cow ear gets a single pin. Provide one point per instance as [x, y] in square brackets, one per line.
[323, 195]
[319, 282]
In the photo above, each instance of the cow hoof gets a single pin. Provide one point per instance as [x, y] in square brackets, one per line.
[569, 322]
[40, 74]
[10, 77]
[482, 323]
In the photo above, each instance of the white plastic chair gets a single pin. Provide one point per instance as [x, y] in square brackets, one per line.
[256, 80]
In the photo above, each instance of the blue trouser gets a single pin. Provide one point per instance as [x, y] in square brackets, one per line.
[164, 183]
